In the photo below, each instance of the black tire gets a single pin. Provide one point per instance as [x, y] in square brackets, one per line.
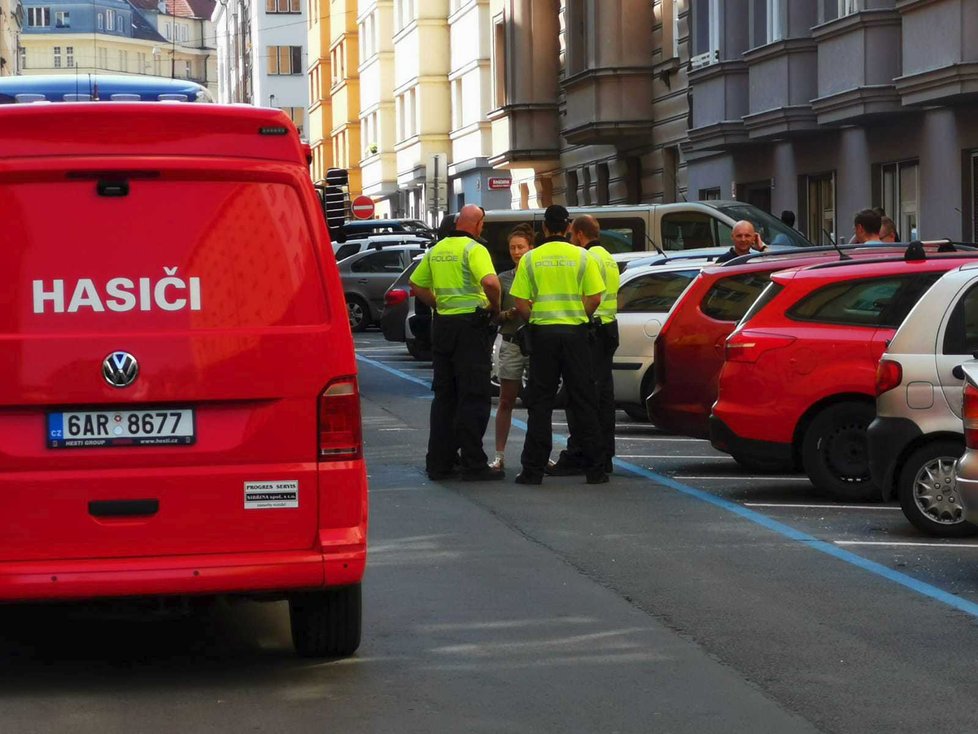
[835, 454]
[422, 355]
[326, 623]
[763, 466]
[926, 490]
[636, 413]
[358, 312]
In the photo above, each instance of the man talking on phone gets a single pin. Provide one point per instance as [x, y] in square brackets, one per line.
[744, 238]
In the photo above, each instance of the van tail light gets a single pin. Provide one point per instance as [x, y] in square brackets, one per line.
[889, 374]
[395, 296]
[970, 414]
[748, 346]
[340, 434]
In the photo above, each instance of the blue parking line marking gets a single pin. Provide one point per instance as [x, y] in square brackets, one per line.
[775, 526]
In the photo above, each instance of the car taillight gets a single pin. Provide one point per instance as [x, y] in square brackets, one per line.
[889, 374]
[395, 296]
[340, 436]
[970, 414]
[748, 346]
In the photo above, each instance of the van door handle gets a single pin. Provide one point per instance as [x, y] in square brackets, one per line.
[123, 508]
[363, 281]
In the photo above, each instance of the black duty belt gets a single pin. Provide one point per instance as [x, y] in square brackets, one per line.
[511, 338]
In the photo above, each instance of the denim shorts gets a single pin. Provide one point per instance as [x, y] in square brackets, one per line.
[510, 362]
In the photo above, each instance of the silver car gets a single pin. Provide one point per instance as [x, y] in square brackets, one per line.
[917, 435]
[366, 277]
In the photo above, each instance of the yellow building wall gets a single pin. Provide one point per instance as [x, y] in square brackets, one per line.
[344, 92]
[320, 116]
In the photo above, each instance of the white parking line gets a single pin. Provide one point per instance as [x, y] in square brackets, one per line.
[767, 477]
[905, 545]
[620, 437]
[794, 505]
[664, 456]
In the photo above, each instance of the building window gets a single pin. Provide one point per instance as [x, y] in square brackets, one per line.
[282, 6]
[767, 22]
[670, 29]
[123, 61]
[188, 70]
[62, 19]
[832, 9]
[709, 194]
[458, 111]
[575, 36]
[705, 32]
[141, 64]
[38, 17]
[499, 61]
[406, 120]
[23, 57]
[297, 115]
[70, 57]
[899, 197]
[403, 13]
[100, 21]
[103, 58]
[110, 20]
[57, 57]
[284, 60]
[821, 208]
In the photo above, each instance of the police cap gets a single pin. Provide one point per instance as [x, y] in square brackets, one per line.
[556, 217]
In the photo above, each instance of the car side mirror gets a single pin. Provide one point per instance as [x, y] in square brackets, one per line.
[958, 372]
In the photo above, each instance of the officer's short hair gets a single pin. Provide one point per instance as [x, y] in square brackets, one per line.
[869, 220]
[556, 218]
[587, 226]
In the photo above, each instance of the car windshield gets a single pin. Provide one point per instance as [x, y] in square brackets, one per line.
[772, 230]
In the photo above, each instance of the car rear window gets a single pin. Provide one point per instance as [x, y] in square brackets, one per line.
[344, 251]
[867, 302]
[653, 291]
[169, 255]
[729, 298]
[767, 295]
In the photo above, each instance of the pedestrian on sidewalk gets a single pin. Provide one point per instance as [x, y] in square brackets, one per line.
[557, 288]
[456, 278]
[511, 363]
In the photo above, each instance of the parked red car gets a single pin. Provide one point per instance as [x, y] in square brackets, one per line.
[798, 382]
[180, 404]
[689, 348]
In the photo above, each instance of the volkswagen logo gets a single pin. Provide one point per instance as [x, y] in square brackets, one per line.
[120, 369]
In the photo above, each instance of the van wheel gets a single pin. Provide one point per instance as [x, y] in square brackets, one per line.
[636, 413]
[835, 455]
[358, 312]
[926, 489]
[326, 623]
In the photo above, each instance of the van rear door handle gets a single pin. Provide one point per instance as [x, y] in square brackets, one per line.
[363, 281]
[123, 508]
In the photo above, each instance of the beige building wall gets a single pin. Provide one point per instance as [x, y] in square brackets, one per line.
[77, 53]
[422, 99]
[344, 91]
[319, 120]
[378, 163]
[9, 29]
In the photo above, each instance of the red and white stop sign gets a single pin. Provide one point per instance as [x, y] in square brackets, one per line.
[363, 207]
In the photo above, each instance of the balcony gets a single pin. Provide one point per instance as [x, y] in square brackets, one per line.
[940, 52]
[858, 58]
[720, 102]
[783, 79]
[525, 135]
[608, 106]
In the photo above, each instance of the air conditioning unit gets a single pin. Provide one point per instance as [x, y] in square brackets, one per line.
[703, 59]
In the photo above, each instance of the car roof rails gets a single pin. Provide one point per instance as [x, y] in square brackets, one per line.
[914, 256]
[655, 259]
[896, 247]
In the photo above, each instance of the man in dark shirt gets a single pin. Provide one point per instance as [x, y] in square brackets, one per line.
[744, 239]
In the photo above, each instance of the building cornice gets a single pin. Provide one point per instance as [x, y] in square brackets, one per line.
[857, 21]
[779, 49]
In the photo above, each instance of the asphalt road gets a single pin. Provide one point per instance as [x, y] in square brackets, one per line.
[682, 597]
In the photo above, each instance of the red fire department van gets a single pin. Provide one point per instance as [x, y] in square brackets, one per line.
[179, 412]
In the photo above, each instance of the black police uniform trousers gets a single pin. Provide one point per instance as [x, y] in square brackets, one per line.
[560, 351]
[461, 348]
[604, 343]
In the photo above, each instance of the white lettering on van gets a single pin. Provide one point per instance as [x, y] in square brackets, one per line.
[169, 293]
[56, 295]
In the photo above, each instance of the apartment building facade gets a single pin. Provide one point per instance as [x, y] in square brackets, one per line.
[116, 36]
[11, 22]
[344, 89]
[826, 108]
[263, 55]
[378, 121]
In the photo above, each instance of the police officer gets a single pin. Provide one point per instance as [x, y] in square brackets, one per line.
[585, 233]
[557, 287]
[456, 278]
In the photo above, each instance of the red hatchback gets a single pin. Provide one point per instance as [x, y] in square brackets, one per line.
[180, 413]
[689, 348]
[799, 378]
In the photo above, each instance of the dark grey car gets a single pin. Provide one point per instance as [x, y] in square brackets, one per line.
[367, 276]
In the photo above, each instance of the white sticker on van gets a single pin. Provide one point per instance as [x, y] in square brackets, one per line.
[275, 495]
[169, 293]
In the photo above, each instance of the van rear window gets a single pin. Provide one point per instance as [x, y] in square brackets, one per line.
[168, 255]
